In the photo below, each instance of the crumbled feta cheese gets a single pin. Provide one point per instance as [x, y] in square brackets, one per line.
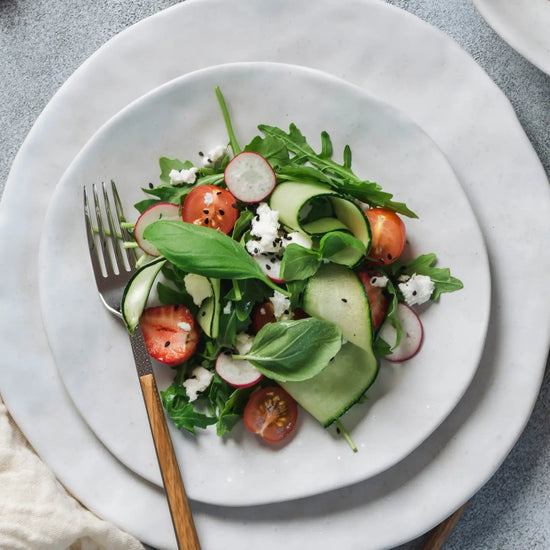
[296, 237]
[215, 156]
[197, 382]
[417, 289]
[379, 281]
[281, 306]
[403, 278]
[198, 287]
[208, 199]
[227, 308]
[187, 175]
[265, 225]
[243, 342]
[184, 326]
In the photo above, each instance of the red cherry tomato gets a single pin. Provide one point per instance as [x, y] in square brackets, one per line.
[271, 413]
[388, 236]
[378, 301]
[210, 206]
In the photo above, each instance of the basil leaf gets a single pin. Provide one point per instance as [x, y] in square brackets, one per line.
[299, 263]
[196, 249]
[294, 350]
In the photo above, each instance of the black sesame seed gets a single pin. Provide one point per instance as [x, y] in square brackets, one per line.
[176, 307]
[151, 186]
[218, 192]
[203, 314]
[206, 220]
[286, 312]
[390, 256]
[373, 280]
[257, 217]
[268, 267]
[166, 344]
[234, 205]
[273, 260]
[345, 300]
[201, 154]
[205, 211]
[222, 213]
[414, 292]
[256, 250]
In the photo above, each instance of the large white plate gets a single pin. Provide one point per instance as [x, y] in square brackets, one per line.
[407, 402]
[523, 24]
[422, 72]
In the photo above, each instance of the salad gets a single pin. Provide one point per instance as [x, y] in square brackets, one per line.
[281, 280]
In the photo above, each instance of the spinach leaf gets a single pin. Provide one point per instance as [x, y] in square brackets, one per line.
[205, 251]
[294, 350]
[299, 263]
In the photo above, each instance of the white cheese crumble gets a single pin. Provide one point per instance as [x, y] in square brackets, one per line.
[243, 342]
[198, 287]
[281, 306]
[227, 308]
[379, 281]
[187, 175]
[184, 326]
[215, 156]
[265, 225]
[417, 289]
[208, 199]
[197, 382]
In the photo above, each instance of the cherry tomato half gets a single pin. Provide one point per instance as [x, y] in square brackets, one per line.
[210, 206]
[271, 413]
[378, 301]
[388, 236]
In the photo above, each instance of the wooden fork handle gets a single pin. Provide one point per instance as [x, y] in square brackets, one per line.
[186, 534]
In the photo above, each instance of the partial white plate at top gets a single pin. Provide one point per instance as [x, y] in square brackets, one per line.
[523, 24]
[407, 402]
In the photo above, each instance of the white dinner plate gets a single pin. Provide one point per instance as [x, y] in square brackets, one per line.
[407, 402]
[523, 24]
[422, 72]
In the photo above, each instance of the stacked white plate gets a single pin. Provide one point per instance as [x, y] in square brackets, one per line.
[417, 93]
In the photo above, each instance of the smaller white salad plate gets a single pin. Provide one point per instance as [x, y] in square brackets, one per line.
[523, 24]
[407, 402]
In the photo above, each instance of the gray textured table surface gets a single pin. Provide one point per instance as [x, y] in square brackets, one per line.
[42, 42]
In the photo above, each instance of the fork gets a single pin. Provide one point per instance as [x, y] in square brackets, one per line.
[113, 266]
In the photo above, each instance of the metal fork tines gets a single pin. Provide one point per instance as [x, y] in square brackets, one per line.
[113, 265]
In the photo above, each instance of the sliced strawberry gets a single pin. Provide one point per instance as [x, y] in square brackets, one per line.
[170, 334]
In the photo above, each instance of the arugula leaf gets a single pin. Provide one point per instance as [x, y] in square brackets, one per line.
[273, 150]
[340, 176]
[183, 413]
[205, 251]
[294, 350]
[424, 265]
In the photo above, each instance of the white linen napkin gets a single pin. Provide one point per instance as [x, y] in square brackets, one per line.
[36, 512]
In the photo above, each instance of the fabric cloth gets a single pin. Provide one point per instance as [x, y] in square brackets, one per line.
[36, 512]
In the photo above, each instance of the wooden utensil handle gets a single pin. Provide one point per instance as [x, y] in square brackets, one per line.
[441, 532]
[182, 518]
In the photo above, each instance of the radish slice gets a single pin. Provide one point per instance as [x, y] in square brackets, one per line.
[271, 266]
[238, 373]
[412, 336]
[250, 177]
[159, 211]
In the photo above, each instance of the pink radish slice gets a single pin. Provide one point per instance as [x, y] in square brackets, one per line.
[238, 373]
[271, 266]
[250, 177]
[412, 336]
[159, 211]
